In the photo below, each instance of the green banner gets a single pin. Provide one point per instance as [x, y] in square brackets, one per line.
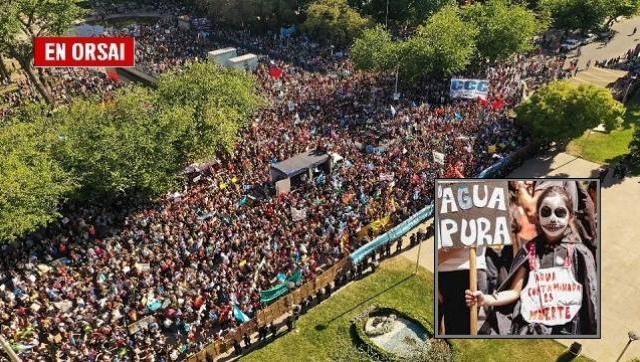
[269, 295]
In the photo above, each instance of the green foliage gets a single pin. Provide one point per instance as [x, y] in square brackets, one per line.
[625, 8]
[401, 12]
[22, 20]
[577, 14]
[266, 13]
[218, 101]
[443, 46]
[121, 148]
[374, 50]
[334, 21]
[504, 29]
[32, 182]
[562, 111]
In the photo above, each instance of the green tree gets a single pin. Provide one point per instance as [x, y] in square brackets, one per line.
[269, 14]
[626, 8]
[220, 102]
[584, 15]
[334, 21]
[32, 182]
[562, 111]
[443, 46]
[375, 50]
[23, 20]
[400, 12]
[504, 29]
[124, 148]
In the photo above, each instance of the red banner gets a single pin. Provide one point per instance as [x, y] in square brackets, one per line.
[84, 51]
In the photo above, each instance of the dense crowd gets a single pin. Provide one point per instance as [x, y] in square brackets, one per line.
[70, 291]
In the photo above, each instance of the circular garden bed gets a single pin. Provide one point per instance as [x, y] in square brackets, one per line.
[389, 334]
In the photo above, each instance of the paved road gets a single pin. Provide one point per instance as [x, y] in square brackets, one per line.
[621, 42]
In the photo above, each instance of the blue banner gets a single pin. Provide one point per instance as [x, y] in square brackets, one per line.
[393, 234]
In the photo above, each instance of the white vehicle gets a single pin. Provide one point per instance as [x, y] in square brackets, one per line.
[590, 38]
[570, 44]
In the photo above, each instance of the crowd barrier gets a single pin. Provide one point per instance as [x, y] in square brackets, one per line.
[284, 305]
[274, 311]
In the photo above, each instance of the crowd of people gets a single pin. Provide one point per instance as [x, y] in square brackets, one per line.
[70, 291]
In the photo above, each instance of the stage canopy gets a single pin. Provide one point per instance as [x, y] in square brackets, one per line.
[298, 164]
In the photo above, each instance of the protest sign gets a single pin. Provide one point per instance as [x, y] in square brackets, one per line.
[552, 296]
[142, 324]
[387, 176]
[472, 213]
[469, 88]
[438, 157]
[298, 214]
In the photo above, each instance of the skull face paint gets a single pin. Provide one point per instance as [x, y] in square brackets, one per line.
[553, 216]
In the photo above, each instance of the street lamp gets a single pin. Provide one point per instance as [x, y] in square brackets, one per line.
[633, 336]
[386, 17]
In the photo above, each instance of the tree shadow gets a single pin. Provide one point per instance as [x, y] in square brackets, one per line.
[322, 326]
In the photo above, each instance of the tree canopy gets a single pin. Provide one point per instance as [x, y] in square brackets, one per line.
[132, 146]
[32, 181]
[400, 12]
[588, 15]
[562, 111]
[121, 148]
[23, 20]
[219, 102]
[334, 21]
[504, 29]
[269, 14]
[375, 50]
[443, 46]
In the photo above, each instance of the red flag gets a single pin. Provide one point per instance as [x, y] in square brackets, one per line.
[483, 102]
[113, 75]
[497, 104]
[275, 72]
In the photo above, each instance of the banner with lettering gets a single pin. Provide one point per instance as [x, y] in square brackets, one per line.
[469, 88]
[472, 213]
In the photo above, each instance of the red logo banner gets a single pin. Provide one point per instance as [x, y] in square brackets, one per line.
[84, 51]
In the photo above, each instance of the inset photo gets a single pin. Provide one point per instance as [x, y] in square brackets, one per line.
[517, 258]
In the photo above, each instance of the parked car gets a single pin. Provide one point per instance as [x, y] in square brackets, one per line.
[570, 44]
[590, 38]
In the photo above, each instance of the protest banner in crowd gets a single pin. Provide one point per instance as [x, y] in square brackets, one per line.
[469, 88]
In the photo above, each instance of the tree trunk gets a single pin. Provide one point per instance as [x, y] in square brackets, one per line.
[4, 72]
[26, 66]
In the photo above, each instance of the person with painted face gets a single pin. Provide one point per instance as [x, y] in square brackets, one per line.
[552, 288]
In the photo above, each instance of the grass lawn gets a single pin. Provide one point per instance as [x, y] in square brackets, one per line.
[323, 333]
[608, 148]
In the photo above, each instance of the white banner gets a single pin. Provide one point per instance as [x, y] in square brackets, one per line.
[438, 157]
[469, 88]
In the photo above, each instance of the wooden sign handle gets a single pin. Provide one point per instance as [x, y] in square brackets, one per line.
[473, 286]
